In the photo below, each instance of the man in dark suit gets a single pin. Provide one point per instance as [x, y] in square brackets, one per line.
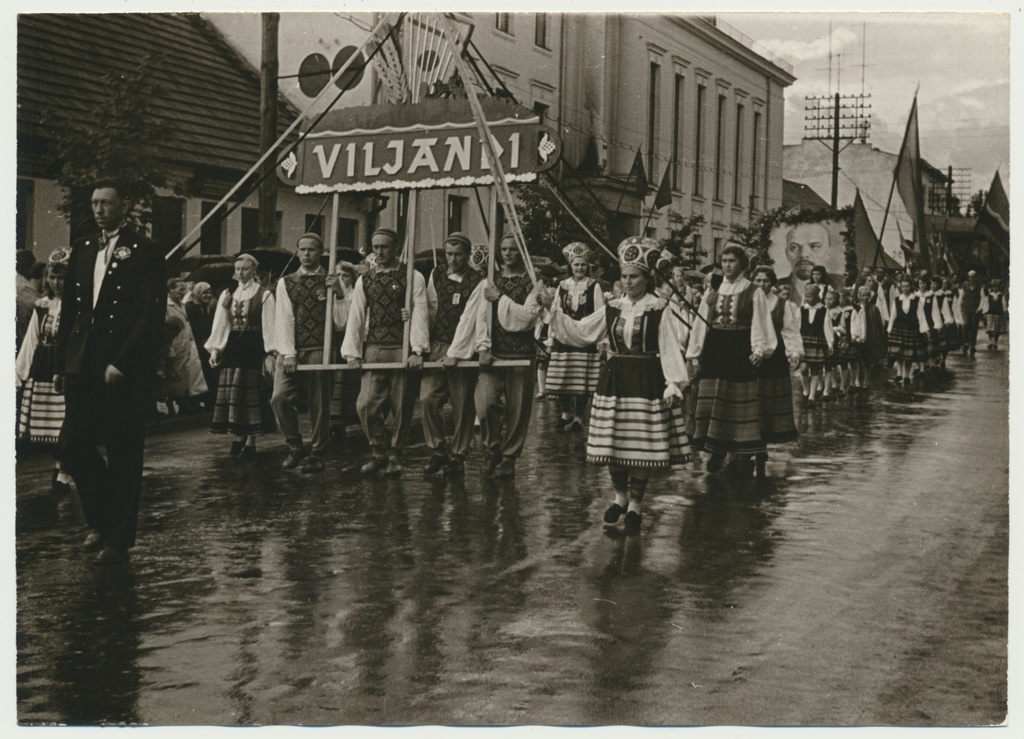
[107, 346]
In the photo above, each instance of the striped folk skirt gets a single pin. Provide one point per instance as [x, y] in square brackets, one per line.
[243, 403]
[815, 352]
[775, 398]
[728, 417]
[907, 345]
[42, 412]
[995, 323]
[631, 425]
[573, 373]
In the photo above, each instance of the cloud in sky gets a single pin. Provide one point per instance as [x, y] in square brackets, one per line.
[818, 48]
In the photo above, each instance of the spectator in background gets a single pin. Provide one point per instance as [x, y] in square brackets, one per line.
[186, 381]
[200, 309]
[26, 292]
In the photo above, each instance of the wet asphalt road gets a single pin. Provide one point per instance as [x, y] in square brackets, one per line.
[864, 583]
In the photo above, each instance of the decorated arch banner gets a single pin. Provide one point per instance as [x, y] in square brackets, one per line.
[425, 145]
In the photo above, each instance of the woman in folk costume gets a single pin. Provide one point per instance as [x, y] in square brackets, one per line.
[908, 332]
[956, 332]
[946, 324]
[818, 338]
[994, 308]
[241, 344]
[932, 323]
[774, 383]
[731, 338]
[636, 421]
[845, 354]
[186, 378]
[573, 371]
[42, 408]
[867, 333]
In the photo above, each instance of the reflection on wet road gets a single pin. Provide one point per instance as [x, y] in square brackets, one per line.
[863, 583]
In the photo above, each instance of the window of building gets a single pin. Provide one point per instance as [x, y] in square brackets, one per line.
[503, 22]
[718, 247]
[540, 30]
[348, 233]
[653, 114]
[719, 146]
[211, 235]
[456, 211]
[541, 109]
[677, 133]
[315, 224]
[755, 169]
[698, 142]
[738, 162]
[168, 216]
[251, 229]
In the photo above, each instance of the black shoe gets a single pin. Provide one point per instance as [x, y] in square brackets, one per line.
[313, 464]
[715, 461]
[760, 461]
[110, 555]
[506, 470]
[394, 468]
[614, 513]
[295, 456]
[561, 423]
[247, 451]
[93, 542]
[576, 426]
[493, 460]
[437, 463]
[237, 446]
[456, 467]
[632, 522]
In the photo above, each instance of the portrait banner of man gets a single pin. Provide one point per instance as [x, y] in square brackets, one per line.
[797, 248]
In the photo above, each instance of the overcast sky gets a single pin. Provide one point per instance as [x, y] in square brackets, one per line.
[960, 60]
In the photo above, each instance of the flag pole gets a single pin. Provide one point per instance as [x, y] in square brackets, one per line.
[885, 218]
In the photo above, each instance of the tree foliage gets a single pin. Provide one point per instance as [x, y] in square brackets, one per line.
[117, 137]
[977, 203]
[548, 227]
[681, 243]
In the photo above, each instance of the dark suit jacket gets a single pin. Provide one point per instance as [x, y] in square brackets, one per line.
[125, 326]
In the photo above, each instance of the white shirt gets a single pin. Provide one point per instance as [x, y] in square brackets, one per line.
[99, 271]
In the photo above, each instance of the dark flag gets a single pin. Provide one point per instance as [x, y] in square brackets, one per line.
[908, 182]
[994, 219]
[866, 245]
[637, 174]
[664, 196]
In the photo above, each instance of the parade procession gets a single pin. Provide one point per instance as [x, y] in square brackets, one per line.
[465, 379]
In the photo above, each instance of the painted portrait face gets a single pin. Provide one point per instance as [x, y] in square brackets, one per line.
[807, 244]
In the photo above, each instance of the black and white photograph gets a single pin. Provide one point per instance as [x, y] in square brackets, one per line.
[430, 368]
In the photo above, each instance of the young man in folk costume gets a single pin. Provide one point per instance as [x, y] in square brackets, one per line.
[450, 289]
[107, 347]
[375, 333]
[502, 331]
[299, 324]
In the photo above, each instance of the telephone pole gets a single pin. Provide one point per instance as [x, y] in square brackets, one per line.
[268, 236]
[832, 119]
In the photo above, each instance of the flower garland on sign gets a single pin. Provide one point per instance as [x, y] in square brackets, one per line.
[757, 238]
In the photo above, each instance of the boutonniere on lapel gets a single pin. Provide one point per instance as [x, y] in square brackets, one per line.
[121, 253]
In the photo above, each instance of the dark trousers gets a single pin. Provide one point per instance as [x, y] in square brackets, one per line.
[971, 329]
[113, 416]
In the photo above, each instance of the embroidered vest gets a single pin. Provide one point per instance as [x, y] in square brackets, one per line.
[48, 324]
[309, 304]
[247, 315]
[906, 319]
[385, 299]
[645, 334]
[450, 308]
[995, 304]
[779, 316]
[733, 312]
[585, 308]
[509, 344]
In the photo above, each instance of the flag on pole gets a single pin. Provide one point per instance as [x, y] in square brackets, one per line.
[908, 182]
[994, 219]
[637, 174]
[664, 196]
[866, 244]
